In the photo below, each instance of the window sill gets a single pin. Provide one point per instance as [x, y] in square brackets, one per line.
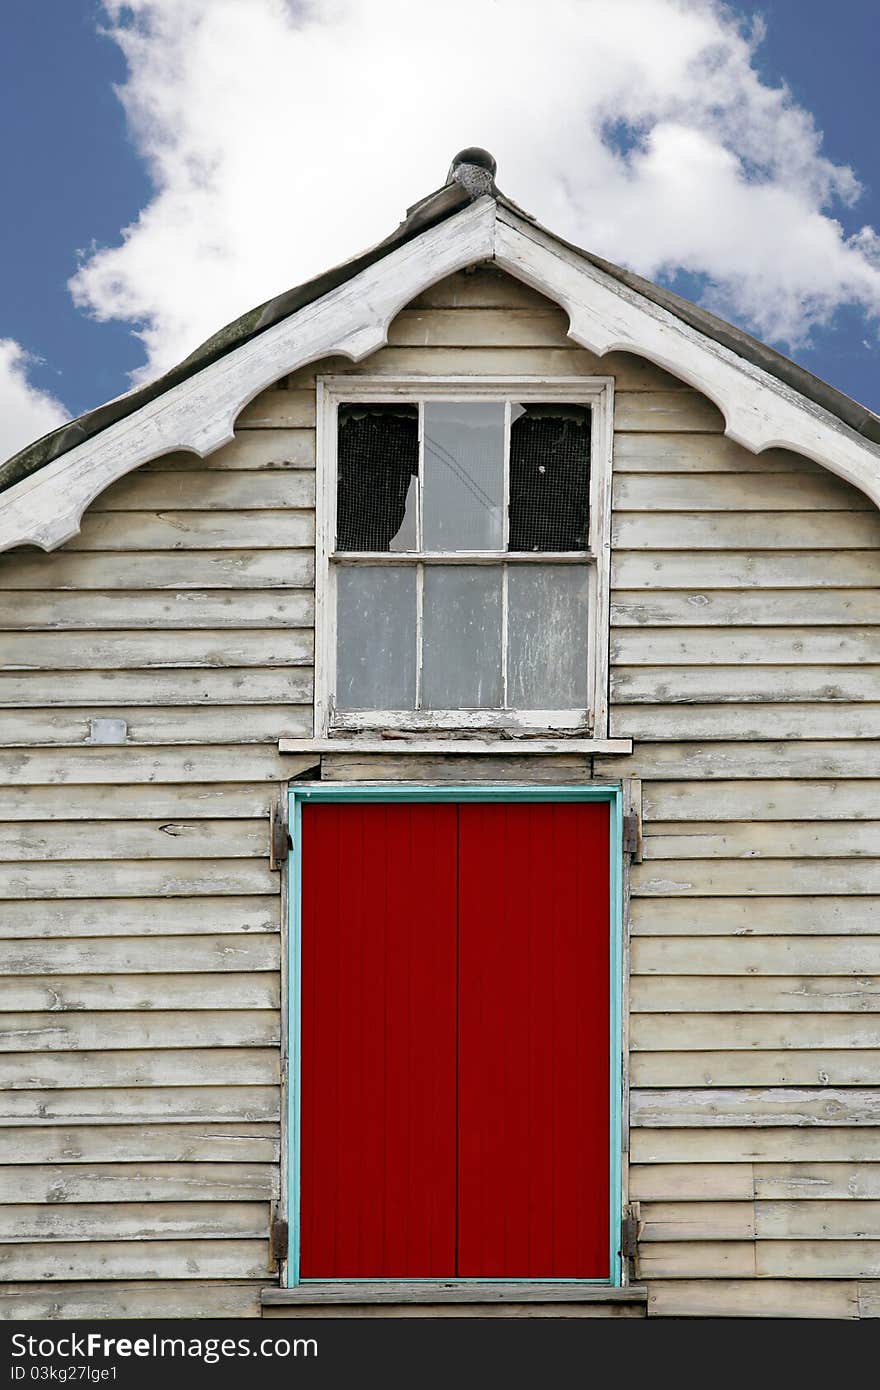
[458, 747]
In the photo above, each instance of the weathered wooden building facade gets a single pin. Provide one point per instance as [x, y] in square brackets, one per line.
[543, 608]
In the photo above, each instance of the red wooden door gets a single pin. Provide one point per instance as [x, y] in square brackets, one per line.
[533, 1041]
[455, 1041]
[378, 1040]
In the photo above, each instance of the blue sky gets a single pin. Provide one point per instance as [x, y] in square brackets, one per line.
[80, 168]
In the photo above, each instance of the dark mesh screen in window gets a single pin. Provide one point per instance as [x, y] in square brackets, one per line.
[377, 463]
[549, 477]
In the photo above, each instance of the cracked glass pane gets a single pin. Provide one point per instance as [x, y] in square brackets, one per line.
[464, 475]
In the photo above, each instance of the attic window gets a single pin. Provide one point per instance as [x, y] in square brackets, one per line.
[458, 558]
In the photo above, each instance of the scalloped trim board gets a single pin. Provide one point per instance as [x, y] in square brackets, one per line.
[199, 414]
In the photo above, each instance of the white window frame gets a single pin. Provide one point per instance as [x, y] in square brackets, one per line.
[595, 392]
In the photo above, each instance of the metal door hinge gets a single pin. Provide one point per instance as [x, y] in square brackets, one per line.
[280, 843]
[277, 1240]
[632, 834]
[629, 1234]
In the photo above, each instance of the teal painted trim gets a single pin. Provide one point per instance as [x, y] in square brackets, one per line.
[610, 793]
[376, 792]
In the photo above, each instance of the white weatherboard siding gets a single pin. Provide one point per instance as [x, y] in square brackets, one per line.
[140, 925]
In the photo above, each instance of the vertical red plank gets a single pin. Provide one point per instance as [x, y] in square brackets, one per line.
[533, 1160]
[378, 1041]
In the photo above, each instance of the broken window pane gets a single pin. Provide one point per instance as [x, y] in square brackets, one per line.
[376, 637]
[547, 637]
[549, 477]
[464, 475]
[377, 472]
[462, 637]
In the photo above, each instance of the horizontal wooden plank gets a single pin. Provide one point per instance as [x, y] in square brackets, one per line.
[121, 765]
[98, 1031]
[203, 488]
[190, 530]
[59, 1184]
[748, 721]
[656, 411]
[71, 993]
[149, 1105]
[812, 1066]
[676, 1182]
[774, 1145]
[748, 492]
[151, 1259]
[757, 956]
[705, 1107]
[354, 767]
[278, 408]
[763, 1032]
[745, 917]
[210, 1066]
[805, 530]
[804, 1258]
[746, 877]
[702, 453]
[122, 878]
[733, 646]
[251, 449]
[63, 571]
[570, 360]
[216, 801]
[138, 689]
[753, 1298]
[812, 1181]
[695, 1259]
[90, 1221]
[856, 1219]
[144, 726]
[544, 325]
[696, 1220]
[762, 569]
[139, 955]
[817, 758]
[750, 608]
[58, 1301]
[142, 917]
[761, 839]
[760, 799]
[778, 994]
[226, 1142]
[54, 651]
[142, 839]
[188, 608]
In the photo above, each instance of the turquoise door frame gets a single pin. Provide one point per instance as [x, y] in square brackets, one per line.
[610, 793]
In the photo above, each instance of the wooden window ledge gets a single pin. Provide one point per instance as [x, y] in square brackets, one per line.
[496, 747]
[317, 1294]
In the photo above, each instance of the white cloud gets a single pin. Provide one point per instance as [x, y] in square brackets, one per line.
[26, 412]
[284, 136]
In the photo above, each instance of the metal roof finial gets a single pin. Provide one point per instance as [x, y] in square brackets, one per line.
[474, 168]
